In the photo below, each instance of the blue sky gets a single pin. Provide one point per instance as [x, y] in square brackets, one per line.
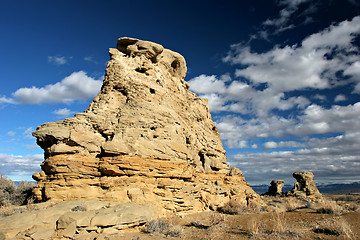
[282, 77]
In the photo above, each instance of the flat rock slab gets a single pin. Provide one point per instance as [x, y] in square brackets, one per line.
[72, 219]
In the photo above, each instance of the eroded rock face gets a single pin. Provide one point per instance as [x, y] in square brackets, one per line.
[305, 185]
[144, 138]
[275, 188]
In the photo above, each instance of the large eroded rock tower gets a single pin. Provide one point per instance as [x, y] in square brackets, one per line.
[144, 138]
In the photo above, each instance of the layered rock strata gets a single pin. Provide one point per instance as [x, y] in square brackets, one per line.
[144, 138]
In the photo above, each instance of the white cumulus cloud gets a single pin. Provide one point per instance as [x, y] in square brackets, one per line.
[306, 65]
[76, 86]
[20, 165]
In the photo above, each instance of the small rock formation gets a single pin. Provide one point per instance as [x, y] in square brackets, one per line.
[275, 188]
[305, 185]
[144, 138]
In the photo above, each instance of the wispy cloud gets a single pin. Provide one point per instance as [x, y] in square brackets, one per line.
[282, 23]
[63, 112]
[11, 133]
[58, 60]
[6, 100]
[90, 59]
[77, 86]
[28, 133]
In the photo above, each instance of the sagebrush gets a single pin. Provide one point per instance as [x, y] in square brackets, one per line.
[10, 194]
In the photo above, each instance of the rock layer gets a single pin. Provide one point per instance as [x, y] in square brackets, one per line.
[82, 219]
[144, 138]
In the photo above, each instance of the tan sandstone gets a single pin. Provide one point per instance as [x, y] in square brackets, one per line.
[144, 138]
[305, 185]
[275, 188]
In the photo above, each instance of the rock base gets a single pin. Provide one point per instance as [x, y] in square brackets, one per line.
[173, 185]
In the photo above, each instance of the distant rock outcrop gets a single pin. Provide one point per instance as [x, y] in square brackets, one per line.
[144, 138]
[305, 185]
[275, 188]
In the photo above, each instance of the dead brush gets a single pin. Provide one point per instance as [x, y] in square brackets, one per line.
[6, 210]
[328, 207]
[279, 223]
[216, 218]
[335, 227]
[10, 194]
[293, 203]
[233, 207]
[255, 227]
[162, 227]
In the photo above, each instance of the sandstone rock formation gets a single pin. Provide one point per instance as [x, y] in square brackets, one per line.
[83, 219]
[144, 138]
[275, 188]
[305, 185]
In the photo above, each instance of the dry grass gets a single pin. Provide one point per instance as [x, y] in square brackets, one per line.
[161, 227]
[336, 227]
[279, 224]
[216, 218]
[6, 210]
[347, 202]
[293, 203]
[285, 204]
[327, 207]
[255, 227]
[233, 207]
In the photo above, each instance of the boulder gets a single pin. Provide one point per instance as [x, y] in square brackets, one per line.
[144, 138]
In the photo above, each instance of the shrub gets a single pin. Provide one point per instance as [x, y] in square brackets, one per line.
[161, 227]
[156, 226]
[293, 203]
[233, 207]
[173, 231]
[10, 194]
[78, 209]
[329, 207]
[335, 227]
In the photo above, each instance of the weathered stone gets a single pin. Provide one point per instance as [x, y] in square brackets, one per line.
[275, 188]
[64, 222]
[60, 222]
[144, 138]
[304, 185]
[235, 172]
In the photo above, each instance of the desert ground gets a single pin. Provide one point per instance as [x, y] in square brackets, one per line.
[338, 217]
[332, 217]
